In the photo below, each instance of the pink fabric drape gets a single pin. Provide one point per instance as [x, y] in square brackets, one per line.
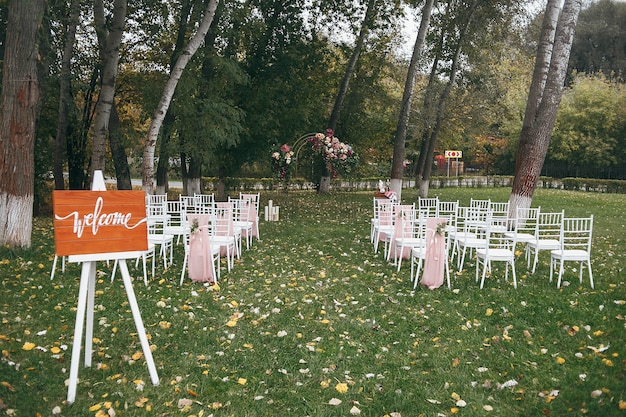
[434, 263]
[252, 213]
[200, 262]
[397, 229]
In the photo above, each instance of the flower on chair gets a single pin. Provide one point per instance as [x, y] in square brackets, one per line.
[339, 157]
[194, 226]
[441, 228]
[281, 162]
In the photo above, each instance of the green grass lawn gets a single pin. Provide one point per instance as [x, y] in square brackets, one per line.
[312, 323]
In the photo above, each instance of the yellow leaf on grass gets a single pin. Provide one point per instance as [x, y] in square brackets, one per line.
[242, 381]
[231, 323]
[55, 349]
[137, 355]
[456, 362]
[28, 346]
[141, 402]
[95, 407]
[341, 387]
[489, 312]
[560, 360]
[7, 386]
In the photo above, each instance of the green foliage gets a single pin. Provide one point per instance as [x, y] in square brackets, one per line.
[591, 124]
[592, 184]
[600, 40]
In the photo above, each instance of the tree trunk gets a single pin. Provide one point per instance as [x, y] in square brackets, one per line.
[324, 184]
[118, 153]
[110, 59]
[535, 138]
[64, 96]
[168, 92]
[424, 180]
[77, 139]
[397, 166]
[428, 113]
[345, 80]
[19, 107]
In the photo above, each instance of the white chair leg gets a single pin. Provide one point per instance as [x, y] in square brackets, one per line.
[54, 266]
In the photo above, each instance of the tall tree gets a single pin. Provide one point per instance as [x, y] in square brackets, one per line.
[65, 94]
[110, 40]
[545, 94]
[370, 14]
[600, 40]
[455, 38]
[397, 166]
[18, 116]
[168, 92]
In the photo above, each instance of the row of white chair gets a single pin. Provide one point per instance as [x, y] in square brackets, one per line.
[483, 229]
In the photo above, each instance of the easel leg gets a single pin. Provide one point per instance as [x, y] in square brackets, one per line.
[88, 271]
[138, 323]
[91, 292]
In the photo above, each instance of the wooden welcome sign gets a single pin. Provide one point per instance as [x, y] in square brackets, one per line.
[92, 222]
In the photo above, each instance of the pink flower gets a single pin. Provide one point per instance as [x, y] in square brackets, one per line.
[285, 148]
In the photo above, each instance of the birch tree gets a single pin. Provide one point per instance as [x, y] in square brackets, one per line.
[545, 94]
[19, 107]
[111, 42]
[65, 94]
[397, 166]
[168, 92]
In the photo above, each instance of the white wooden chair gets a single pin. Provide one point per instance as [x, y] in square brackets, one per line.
[242, 218]
[525, 226]
[224, 236]
[547, 236]
[175, 221]
[575, 245]
[429, 206]
[204, 203]
[473, 234]
[255, 198]
[410, 233]
[383, 227]
[498, 247]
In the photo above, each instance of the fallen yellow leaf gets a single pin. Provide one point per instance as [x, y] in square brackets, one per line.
[7, 386]
[28, 346]
[341, 387]
[95, 407]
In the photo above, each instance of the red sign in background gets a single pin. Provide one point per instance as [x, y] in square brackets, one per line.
[453, 154]
[92, 222]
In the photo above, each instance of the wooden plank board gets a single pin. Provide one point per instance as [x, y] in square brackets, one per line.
[92, 222]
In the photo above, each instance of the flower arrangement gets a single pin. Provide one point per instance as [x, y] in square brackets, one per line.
[441, 228]
[339, 157]
[281, 162]
[194, 226]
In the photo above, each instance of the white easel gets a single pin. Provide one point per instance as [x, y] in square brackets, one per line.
[85, 307]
